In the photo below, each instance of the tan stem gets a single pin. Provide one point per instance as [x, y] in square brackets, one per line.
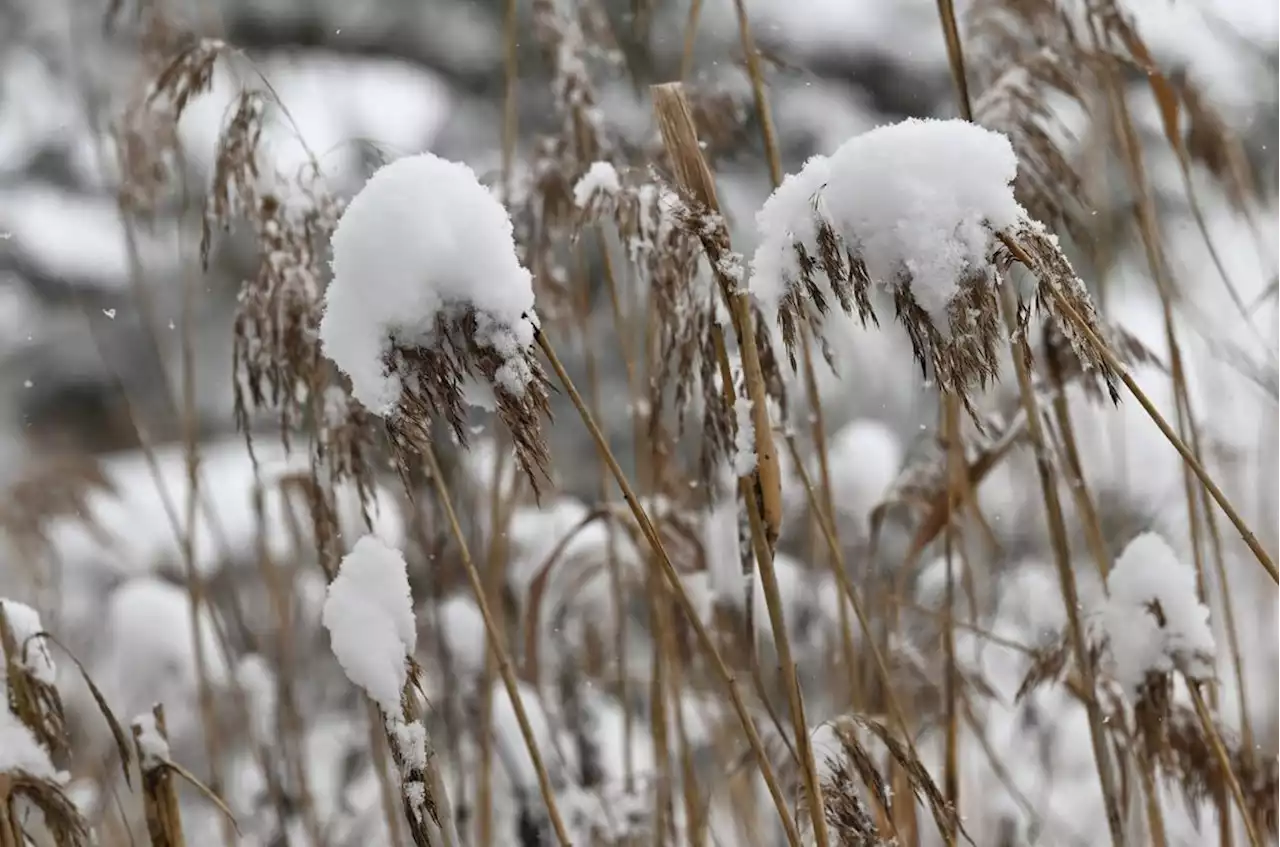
[680, 137]
[1066, 576]
[690, 38]
[682, 597]
[496, 645]
[1224, 763]
[1183, 450]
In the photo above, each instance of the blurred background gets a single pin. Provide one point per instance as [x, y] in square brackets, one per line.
[94, 313]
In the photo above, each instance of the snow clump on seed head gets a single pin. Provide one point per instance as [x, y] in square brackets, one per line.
[1154, 620]
[428, 293]
[924, 212]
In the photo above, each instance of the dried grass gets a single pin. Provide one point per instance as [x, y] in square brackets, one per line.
[678, 252]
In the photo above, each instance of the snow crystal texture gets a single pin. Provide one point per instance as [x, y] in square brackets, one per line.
[369, 615]
[920, 195]
[422, 239]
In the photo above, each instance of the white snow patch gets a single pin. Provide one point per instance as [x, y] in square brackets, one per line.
[919, 195]
[134, 533]
[148, 654]
[462, 630]
[151, 743]
[864, 458]
[33, 653]
[412, 739]
[19, 750]
[423, 239]
[369, 615]
[1154, 621]
[600, 180]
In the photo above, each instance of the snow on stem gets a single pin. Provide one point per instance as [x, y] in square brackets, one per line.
[368, 612]
[369, 615]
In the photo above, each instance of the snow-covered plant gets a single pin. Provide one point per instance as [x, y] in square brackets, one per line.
[372, 629]
[426, 294]
[32, 733]
[1154, 622]
[924, 212]
[598, 189]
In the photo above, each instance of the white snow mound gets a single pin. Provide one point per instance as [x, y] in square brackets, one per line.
[423, 239]
[1154, 620]
[919, 195]
[369, 615]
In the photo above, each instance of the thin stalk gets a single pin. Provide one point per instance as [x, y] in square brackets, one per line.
[951, 683]
[768, 137]
[1224, 763]
[690, 38]
[1151, 793]
[511, 84]
[1066, 576]
[195, 579]
[615, 577]
[767, 133]
[1075, 472]
[493, 580]
[695, 827]
[496, 644]
[10, 829]
[1229, 620]
[387, 793]
[660, 623]
[790, 679]
[1172, 437]
[955, 57]
[682, 597]
[764, 504]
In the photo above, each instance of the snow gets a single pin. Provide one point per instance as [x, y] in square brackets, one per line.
[335, 106]
[146, 654]
[369, 616]
[151, 742]
[461, 627]
[19, 750]
[600, 179]
[1148, 572]
[24, 623]
[77, 239]
[722, 548]
[919, 195]
[906, 30]
[411, 737]
[136, 535]
[423, 239]
[864, 458]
